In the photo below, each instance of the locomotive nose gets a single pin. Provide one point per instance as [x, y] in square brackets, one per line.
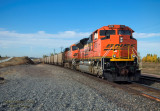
[124, 39]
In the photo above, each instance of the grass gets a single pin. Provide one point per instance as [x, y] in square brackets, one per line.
[151, 68]
[2, 58]
[16, 61]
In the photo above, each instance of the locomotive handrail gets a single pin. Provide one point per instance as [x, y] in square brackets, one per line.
[129, 49]
[138, 58]
[134, 49]
[107, 52]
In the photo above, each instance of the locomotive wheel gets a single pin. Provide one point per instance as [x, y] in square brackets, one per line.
[73, 67]
[109, 77]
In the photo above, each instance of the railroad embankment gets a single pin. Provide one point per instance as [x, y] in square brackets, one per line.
[2, 58]
[16, 61]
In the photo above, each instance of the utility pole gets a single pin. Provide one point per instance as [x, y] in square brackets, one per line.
[61, 48]
[54, 51]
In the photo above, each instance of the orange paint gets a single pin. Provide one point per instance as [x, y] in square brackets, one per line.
[101, 45]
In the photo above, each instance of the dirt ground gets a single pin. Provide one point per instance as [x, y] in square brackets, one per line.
[2, 58]
[17, 61]
[52, 88]
[151, 68]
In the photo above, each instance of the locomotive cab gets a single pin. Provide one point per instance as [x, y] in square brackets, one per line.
[119, 53]
[74, 51]
[110, 52]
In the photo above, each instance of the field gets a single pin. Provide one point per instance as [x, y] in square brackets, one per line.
[2, 58]
[151, 68]
[16, 61]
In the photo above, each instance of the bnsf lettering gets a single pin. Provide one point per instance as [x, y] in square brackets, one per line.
[117, 46]
[110, 45]
[120, 45]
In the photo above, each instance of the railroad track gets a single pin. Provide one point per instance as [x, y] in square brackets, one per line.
[150, 81]
[134, 87]
[6, 59]
[145, 90]
[149, 78]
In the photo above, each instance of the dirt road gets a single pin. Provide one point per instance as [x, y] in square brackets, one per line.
[47, 87]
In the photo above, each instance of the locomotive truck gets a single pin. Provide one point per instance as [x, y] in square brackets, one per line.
[109, 52]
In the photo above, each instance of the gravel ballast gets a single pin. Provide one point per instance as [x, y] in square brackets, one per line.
[48, 87]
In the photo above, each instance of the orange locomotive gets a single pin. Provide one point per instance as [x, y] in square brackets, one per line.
[109, 52]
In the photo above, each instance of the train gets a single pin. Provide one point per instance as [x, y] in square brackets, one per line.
[110, 52]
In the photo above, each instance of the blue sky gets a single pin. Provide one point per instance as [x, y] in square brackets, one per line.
[37, 27]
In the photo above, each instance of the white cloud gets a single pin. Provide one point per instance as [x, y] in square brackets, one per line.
[41, 39]
[65, 34]
[14, 40]
[146, 35]
[148, 48]
[43, 34]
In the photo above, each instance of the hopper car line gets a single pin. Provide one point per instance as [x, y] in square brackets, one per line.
[109, 52]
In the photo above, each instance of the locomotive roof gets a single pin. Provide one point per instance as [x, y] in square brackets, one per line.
[116, 27]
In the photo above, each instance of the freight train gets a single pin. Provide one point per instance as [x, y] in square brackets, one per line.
[109, 52]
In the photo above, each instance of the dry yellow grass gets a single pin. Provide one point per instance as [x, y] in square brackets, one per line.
[2, 58]
[17, 61]
[152, 68]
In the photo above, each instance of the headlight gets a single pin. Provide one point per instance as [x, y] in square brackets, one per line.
[121, 39]
[114, 56]
[133, 56]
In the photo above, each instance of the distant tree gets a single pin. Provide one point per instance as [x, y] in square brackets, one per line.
[0, 56]
[52, 54]
[144, 59]
[45, 56]
[148, 57]
[151, 58]
[154, 58]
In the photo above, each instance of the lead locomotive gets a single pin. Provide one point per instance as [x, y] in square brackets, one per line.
[109, 52]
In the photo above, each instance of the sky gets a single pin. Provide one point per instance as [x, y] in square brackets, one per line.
[36, 27]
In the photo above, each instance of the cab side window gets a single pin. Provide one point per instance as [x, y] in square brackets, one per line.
[106, 33]
[95, 35]
[74, 48]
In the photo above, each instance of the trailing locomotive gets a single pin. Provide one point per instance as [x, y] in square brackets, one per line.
[109, 52]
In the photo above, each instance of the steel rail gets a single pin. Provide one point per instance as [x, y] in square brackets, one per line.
[150, 78]
[144, 89]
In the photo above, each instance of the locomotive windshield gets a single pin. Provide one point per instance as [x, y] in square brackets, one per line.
[107, 32]
[74, 48]
[124, 32]
[66, 49]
